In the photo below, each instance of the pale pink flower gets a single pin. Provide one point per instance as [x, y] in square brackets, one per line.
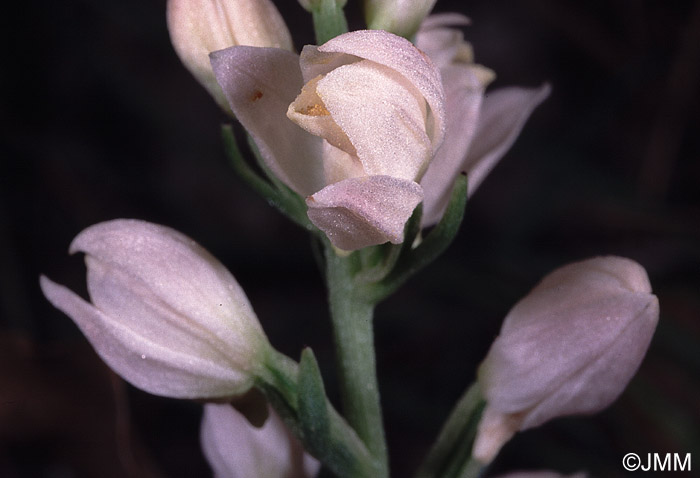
[165, 314]
[569, 347]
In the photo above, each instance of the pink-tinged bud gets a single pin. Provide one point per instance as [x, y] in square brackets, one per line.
[569, 347]
[165, 314]
[401, 17]
[236, 449]
[199, 27]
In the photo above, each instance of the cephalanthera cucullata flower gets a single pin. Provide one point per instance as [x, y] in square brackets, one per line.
[569, 347]
[164, 313]
[367, 116]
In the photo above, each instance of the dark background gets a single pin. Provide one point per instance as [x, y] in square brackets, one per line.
[100, 121]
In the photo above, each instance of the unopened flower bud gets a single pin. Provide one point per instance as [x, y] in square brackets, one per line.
[401, 17]
[165, 314]
[236, 449]
[199, 27]
[569, 347]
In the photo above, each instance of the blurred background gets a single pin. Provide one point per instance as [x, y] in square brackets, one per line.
[101, 121]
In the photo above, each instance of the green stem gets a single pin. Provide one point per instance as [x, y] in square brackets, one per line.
[329, 20]
[351, 314]
[342, 451]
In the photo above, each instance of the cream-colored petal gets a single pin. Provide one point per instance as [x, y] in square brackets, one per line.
[339, 165]
[383, 116]
[260, 83]
[198, 27]
[361, 212]
[397, 54]
[309, 112]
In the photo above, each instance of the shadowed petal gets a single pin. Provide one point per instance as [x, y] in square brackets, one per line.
[236, 449]
[503, 114]
[260, 83]
[465, 89]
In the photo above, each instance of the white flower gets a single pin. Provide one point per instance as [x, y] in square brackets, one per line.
[165, 314]
[569, 347]
[480, 127]
[374, 107]
[236, 449]
[198, 27]
[402, 17]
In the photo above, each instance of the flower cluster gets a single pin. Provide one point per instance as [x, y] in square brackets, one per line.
[361, 130]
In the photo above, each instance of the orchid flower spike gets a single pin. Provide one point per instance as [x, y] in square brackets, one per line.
[236, 449]
[367, 112]
[198, 27]
[165, 314]
[480, 128]
[569, 347]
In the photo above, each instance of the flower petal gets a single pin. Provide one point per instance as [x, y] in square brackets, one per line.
[443, 44]
[567, 331]
[170, 268]
[360, 212]
[235, 449]
[143, 362]
[260, 83]
[366, 98]
[198, 27]
[503, 114]
[465, 89]
[389, 50]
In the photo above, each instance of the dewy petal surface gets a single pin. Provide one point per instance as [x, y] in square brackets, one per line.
[235, 449]
[260, 83]
[503, 114]
[365, 98]
[393, 52]
[361, 212]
